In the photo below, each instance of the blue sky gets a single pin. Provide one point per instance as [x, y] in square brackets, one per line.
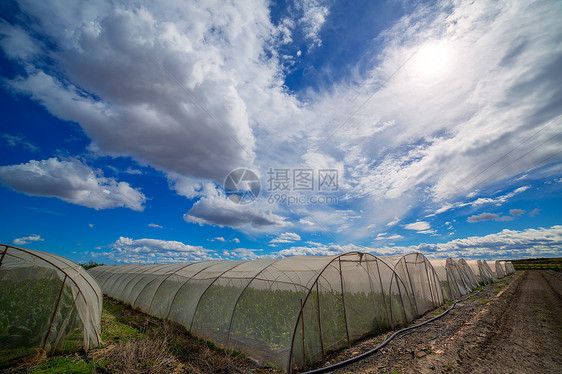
[386, 127]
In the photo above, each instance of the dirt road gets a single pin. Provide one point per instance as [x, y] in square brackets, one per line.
[512, 326]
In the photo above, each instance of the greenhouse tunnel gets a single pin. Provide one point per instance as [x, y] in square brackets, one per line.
[467, 274]
[449, 274]
[420, 278]
[508, 266]
[492, 267]
[500, 269]
[482, 271]
[47, 302]
[289, 312]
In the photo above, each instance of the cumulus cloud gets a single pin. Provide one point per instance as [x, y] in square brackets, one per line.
[73, 182]
[286, 237]
[504, 244]
[451, 99]
[154, 225]
[243, 254]
[217, 239]
[321, 250]
[147, 251]
[201, 65]
[236, 240]
[28, 239]
[217, 209]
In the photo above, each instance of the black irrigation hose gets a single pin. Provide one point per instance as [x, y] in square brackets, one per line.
[384, 343]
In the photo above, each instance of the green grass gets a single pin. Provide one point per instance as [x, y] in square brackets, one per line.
[70, 365]
[114, 331]
[134, 342]
[555, 267]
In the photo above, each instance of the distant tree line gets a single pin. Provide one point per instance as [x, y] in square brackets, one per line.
[90, 264]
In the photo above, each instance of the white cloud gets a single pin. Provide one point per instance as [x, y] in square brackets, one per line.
[236, 240]
[505, 244]
[243, 254]
[71, 181]
[418, 226]
[212, 98]
[217, 239]
[202, 66]
[394, 221]
[217, 209]
[146, 251]
[306, 222]
[451, 127]
[316, 244]
[91, 225]
[313, 18]
[28, 239]
[499, 200]
[385, 236]
[322, 250]
[154, 225]
[286, 237]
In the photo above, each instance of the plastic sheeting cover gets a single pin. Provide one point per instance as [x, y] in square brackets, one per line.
[46, 302]
[289, 312]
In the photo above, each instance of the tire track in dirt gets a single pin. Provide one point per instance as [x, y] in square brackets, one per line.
[522, 335]
[517, 330]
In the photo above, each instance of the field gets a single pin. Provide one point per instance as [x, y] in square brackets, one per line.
[482, 334]
[539, 264]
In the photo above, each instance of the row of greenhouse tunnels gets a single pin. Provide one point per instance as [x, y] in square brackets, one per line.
[289, 312]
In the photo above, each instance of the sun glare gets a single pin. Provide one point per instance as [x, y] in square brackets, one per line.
[431, 59]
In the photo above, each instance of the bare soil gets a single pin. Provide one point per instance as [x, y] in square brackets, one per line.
[511, 326]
